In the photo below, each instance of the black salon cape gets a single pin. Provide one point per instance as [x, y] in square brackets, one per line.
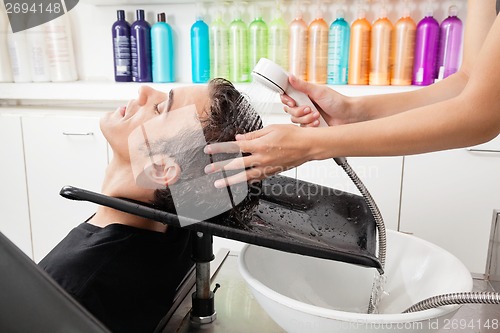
[126, 277]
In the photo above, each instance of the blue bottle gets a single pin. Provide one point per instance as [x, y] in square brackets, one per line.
[162, 49]
[200, 51]
[140, 49]
[121, 48]
[338, 50]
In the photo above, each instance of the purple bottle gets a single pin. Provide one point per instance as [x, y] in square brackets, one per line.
[121, 48]
[426, 47]
[140, 46]
[450, 44]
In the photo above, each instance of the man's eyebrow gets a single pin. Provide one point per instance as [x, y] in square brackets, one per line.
[170, 99]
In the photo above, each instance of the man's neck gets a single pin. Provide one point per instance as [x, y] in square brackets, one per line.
[118, 182]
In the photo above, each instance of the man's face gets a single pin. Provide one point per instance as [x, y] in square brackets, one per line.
[161, 111]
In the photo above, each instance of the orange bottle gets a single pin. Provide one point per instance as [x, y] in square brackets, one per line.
[403, 48]
[298, 47]
[359, 51]
[317, 50]
[380, 51]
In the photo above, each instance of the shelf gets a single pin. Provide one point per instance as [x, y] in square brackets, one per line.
[113, 91]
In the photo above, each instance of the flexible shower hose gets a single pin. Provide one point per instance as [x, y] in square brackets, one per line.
[431, 302]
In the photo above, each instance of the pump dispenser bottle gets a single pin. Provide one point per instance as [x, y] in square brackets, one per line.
[380, 50]
[317, 50]
[278, 40]
[121, 48]
[140, 49]
[200, 51]
[338, 50]
[238, 49]
[450, 44]
[426, 47]
[219, 48]
[258, 39]
[298, 46]
[5, 67]
[359, 52]
[403, 48]
[162, 50]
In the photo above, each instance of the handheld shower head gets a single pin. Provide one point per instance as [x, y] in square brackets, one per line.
[272, 76]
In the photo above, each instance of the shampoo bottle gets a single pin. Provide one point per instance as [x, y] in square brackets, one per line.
[338, 50]
[403, 48]
[162, 50]
[298, 47]
[219, 48]
[238, 50]
[121, 48]
[359, 51]
[426, 47]
[450, 44]
[317, 50]
[5, 66]
[258, 40]
[380, 51]
[140, 49]
[60, 49]
[278, 41]
[19, 56]
[200, 51]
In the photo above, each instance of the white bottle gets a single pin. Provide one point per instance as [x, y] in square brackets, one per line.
[19, 56]
[5, 67]
[37, 50]
[60, 50]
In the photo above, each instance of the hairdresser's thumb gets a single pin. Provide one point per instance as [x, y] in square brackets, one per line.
[301, 85]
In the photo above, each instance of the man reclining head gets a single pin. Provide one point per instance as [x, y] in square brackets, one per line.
[125, 269]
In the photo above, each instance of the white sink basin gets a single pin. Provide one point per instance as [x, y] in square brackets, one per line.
[305, 294]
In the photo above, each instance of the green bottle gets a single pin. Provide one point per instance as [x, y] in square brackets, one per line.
[258, 40]
[278, 41]
[219, 48]
[238, 51]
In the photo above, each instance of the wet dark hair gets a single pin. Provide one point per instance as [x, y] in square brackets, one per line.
[229, 113]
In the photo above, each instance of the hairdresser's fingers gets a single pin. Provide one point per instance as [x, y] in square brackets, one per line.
[312, 90]
[249, 175]
[287, 100]
[238, 163]
[298, 111]
[251, 136]
[222, 147]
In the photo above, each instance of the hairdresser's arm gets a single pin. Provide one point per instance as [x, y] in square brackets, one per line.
[341, 109]
[470, 118]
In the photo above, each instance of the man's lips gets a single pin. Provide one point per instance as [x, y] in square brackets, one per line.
[122, 110]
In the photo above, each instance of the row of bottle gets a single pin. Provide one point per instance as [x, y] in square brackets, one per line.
[378, 54]
[40, 54]
[143, 53]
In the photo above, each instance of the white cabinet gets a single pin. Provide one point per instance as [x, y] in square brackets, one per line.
[448, 199]
[15, 219]
[61, 150]
[381, 176]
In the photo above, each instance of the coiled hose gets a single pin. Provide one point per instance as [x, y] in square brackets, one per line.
[431, 302]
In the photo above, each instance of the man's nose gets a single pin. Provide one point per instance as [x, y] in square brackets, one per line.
[145, 94]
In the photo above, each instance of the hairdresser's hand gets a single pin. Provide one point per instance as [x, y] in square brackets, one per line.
[273, 149]
[332, 105]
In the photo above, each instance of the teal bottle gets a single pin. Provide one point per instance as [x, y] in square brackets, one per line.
[338, 50]
[200, 51]
[238, 51]
[162, 50]
[258, 34]
[278, 41]
[219, 49]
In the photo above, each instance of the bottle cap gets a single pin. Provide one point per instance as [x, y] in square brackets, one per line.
[453, 10]
[120, 14]
[140, 14]
[161, 17]
[340, 13]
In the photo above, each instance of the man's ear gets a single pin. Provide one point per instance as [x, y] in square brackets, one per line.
[163, 171]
